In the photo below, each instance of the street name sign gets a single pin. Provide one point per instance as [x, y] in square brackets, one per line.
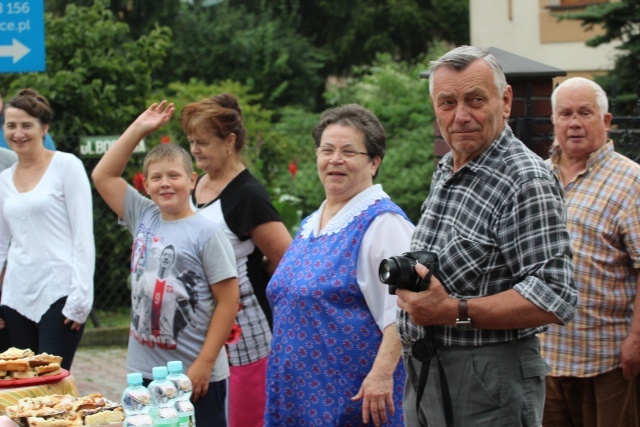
[22, 36]
[96, 146]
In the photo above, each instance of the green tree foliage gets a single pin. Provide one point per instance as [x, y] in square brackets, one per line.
[275, 56]
[97, 77]
[98, 80]
[259, 49]
[621, 22]
[396, 94]
[141, 16]
[262, 145]
[286, 49]
[354, 32]
[270, 147]
[301, 189]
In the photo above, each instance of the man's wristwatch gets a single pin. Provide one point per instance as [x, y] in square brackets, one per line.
[463, 323]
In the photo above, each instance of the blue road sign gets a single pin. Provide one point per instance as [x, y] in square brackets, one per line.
[22, 36]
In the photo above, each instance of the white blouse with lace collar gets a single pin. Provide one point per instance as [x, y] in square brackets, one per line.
[388, 235]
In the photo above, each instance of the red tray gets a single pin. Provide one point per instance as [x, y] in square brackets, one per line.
[22, 382]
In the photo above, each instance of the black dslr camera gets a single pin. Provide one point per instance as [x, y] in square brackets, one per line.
[399, 272]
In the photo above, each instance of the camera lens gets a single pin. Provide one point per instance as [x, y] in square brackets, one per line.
[399, 271]
[388, 271]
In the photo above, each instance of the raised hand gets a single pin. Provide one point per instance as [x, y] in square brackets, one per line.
[154, 117]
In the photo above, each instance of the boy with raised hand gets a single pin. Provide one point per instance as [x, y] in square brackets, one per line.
[175, 320]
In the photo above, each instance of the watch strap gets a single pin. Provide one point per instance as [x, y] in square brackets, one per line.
[463, 322]
[463, 310]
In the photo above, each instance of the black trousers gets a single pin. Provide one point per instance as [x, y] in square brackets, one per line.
[49, 335]
[5, 340]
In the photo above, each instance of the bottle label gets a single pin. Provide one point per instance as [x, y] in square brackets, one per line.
[140, 420]
[187, 420]
[136, 399]
[183, 384]
[184, 406]
[167, 413]
[161, 393]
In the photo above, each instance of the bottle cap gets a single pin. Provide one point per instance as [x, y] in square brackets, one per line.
[175, 366]
[159, 372]
[134, 378]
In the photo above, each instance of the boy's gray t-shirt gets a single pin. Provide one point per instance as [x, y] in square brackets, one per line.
[173, 264]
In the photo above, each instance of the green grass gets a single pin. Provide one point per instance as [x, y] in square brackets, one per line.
[119, 317]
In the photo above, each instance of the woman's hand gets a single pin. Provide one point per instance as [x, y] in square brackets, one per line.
[377, 392]
[200, 375]
[75, 326]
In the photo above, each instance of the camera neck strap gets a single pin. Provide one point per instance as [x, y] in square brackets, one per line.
[424, 350]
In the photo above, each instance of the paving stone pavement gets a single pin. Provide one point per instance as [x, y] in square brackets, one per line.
[100, 369]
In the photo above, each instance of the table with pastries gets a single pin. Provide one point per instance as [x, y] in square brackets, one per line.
[26, 374]
[6, 422]
[11, 391]
[34, 389]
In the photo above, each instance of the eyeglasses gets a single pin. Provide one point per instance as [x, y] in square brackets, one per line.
[325, 152]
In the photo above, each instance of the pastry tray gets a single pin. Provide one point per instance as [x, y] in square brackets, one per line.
[43, 379]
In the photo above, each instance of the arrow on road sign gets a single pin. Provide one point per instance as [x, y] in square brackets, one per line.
[17, 50]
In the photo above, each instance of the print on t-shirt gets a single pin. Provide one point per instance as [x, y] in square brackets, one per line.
[164, 294]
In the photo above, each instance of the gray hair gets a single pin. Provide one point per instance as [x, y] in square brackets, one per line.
[601, 95]
[359, 118]
[461, 57]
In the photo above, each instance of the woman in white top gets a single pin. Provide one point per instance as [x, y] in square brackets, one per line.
[46, 236]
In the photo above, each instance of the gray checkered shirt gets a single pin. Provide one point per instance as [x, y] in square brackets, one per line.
[498, 223]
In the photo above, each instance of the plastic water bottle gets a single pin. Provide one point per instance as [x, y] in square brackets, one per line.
[163, 397]
[183, 402]
[136, 403]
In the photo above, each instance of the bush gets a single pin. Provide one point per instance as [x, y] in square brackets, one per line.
[395, 92]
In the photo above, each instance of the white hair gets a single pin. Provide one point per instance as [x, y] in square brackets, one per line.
[601, 95]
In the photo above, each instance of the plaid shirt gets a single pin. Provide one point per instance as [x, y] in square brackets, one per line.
[496, 224]
[603, 210]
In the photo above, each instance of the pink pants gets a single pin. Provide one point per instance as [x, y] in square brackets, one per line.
[247, 394]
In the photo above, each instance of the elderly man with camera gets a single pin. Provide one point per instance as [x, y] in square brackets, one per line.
[495, 223]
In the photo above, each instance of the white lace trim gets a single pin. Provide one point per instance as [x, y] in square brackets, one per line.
[352, 209]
